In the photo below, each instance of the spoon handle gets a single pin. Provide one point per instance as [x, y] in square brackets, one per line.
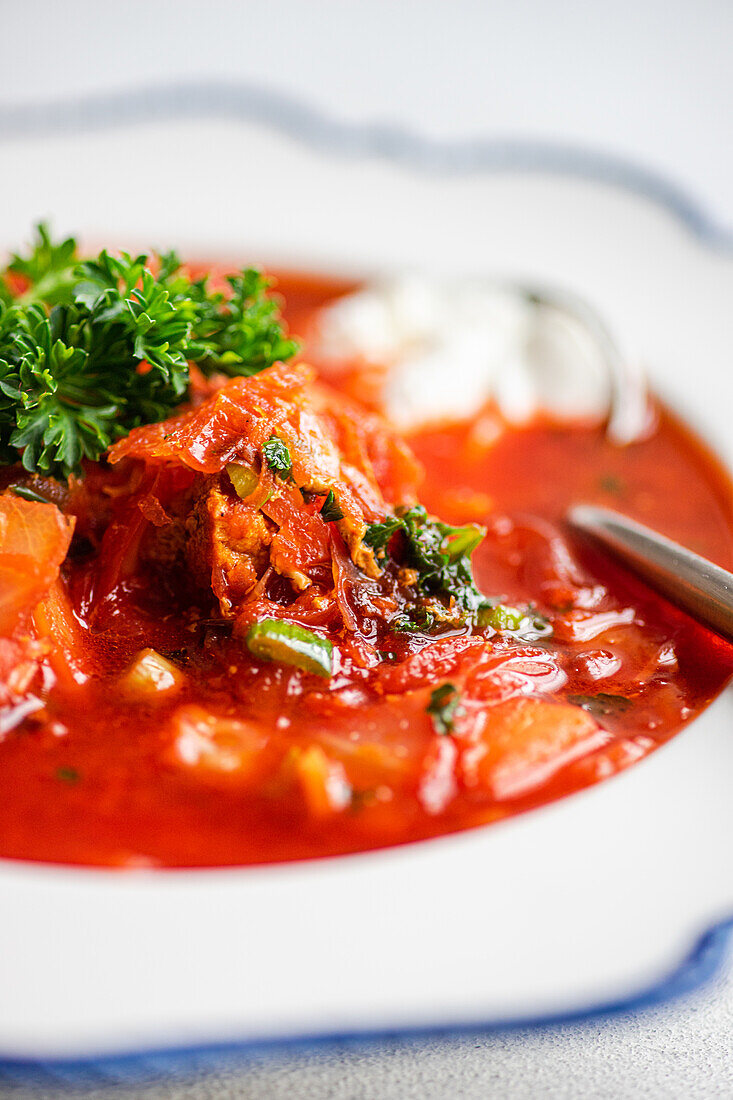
[693, 583]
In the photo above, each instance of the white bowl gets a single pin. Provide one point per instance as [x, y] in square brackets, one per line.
[605, 898]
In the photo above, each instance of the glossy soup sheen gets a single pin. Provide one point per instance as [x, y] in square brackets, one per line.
[94, 777]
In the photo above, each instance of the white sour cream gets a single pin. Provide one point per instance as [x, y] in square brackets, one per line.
[451, 346]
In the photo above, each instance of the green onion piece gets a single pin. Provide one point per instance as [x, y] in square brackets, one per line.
[275, 640]
[502, 617]
[526, 625]
[27, 494]
[464, 541]
[243, 478]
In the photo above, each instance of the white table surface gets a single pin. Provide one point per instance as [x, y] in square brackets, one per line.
[648, 82]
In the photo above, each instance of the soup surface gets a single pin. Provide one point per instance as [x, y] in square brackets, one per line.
[234, 660]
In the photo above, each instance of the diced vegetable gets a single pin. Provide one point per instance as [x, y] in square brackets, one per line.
[525, 741]
[152, 675]
[34, 539]
[502, 617]
[290, 644]
[243, 478]
[27, 493]
[323, 782]
[527, 625]
[215, 745]
[369, 763]
[71, 653]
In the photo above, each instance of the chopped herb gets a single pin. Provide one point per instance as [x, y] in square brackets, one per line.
[379, 535]
[421, 621]
[361, 799]
[73, 343]
[277, 457]
[440, 554]
[527, 625]
[602, 704]
[610, 483]
[444, 707]
[290, 644]
[27, 493]
[68, 775]
[330, 510]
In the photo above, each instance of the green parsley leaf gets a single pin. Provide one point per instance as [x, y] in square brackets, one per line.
[444, 707]
[277, 457]
[48, 267]
[240, 334]
[330, 510]
[420, 620]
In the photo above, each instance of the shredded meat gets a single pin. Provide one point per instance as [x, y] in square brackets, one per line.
[334, 447]
[227, 543]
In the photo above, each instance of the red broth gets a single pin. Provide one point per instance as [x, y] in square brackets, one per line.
[299, 770]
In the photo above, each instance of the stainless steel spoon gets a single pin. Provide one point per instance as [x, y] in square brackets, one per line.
[630, 417]
[695, 584]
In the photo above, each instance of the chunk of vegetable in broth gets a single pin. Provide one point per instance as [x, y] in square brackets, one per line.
[243, 479]
[525, 741]
[34, 539]
[151, 675]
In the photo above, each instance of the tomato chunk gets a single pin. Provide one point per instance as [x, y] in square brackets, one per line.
[34, 539]
[525, 741]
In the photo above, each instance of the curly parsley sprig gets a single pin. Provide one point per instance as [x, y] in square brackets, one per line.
[91, 349]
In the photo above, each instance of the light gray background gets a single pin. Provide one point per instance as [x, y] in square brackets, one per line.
[651, 82]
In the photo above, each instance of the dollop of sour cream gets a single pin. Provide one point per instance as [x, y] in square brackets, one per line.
[451, 346]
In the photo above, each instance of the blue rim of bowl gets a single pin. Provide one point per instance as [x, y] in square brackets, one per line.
[302, 122]
[254, 103]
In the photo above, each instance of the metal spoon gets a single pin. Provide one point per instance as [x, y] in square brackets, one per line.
[630, 416]
[695, 584]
